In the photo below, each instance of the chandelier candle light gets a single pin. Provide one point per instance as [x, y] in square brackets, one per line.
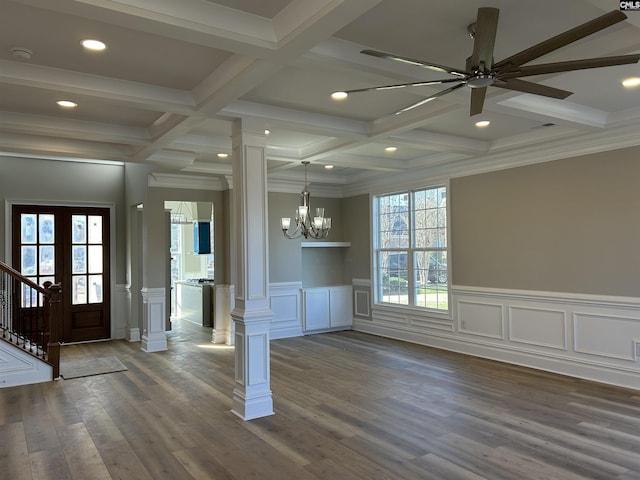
[317, 228]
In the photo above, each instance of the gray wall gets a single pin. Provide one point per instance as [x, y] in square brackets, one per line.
[565, 226]
[59, 182]
[285, 256]
[357, 258]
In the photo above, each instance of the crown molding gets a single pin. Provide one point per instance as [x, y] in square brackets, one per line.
[190, 182]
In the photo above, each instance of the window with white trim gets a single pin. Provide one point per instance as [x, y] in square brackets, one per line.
[411, 247]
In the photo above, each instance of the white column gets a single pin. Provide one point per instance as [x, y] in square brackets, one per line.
[252, 313]
[154, 338]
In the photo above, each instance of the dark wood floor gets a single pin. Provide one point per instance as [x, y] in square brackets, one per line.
[349, 406]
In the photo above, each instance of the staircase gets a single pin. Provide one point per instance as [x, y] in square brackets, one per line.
[30, 327]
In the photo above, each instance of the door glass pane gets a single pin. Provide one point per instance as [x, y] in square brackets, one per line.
[95, 229]
[29, 296]
[95, 288]
[79, 289]
[28, 261]
[79, 228]
[95, 259]
[79, 259]
[28, 228]
[47, 260]
[46, 228]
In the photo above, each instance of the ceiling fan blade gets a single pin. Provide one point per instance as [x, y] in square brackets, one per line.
[418, 63]
[530, 87]
[477, 100]
[560, 40]
[402, 85]
[484, 38]
[542, 69]
[432, 97]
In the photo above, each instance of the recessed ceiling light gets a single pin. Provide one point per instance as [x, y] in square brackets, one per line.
[339, 95]
[483, 123]
[223, 155]
[267, 132]
[631, 82]
[391, 149]
[67, 104]
[93, 45]
[328, 167]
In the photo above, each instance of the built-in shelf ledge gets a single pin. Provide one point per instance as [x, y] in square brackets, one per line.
[324, 244]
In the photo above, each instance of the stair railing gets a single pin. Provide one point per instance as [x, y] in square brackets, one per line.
[31, 316]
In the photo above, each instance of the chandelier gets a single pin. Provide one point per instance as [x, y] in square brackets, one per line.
[318, 227]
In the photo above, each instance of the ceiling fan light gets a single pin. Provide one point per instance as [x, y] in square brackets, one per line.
[339, 96]
[481, 81]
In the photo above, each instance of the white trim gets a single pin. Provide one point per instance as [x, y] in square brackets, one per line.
[595, 337]
[325, 244]
[286, 304]
[154, 337]
[561, 297]
[224, 302]
[190, 182]
[19, 368]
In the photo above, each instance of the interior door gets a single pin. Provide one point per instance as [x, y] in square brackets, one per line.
[68, 245]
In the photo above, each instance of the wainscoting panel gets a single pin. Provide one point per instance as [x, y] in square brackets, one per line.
[362, 298]
[618, 342]
[595, 337]
[538, 326]
[385, 317]
[286, 307]
[429, 322]
[478, 318]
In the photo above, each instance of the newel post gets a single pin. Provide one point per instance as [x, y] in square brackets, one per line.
[55, 325]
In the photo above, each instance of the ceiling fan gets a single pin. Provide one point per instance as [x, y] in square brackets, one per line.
[481, 72]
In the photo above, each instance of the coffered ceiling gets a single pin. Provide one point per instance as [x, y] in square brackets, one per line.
[176, 73]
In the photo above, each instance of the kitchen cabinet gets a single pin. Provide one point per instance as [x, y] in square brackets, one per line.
[194, 302]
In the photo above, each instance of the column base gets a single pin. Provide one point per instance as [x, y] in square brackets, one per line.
[133, 334]
[220, 336]
[154, 338]
[223, 326]
[250, 408]
[154, 343]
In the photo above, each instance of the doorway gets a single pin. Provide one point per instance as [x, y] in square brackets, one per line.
[68, 245]
[191, 255]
